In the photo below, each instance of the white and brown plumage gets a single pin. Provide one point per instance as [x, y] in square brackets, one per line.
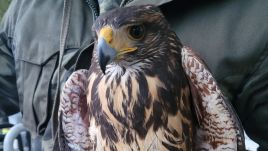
[144, 91]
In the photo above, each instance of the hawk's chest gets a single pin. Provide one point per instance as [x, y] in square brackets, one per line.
[125, 97]
[129, 109]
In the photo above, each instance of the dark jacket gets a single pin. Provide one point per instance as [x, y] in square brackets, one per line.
[37, 37]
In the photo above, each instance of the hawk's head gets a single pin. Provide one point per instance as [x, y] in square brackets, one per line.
[133, 37]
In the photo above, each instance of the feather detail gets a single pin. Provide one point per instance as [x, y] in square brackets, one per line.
[144, 99]
[73, 114]
[219, 127]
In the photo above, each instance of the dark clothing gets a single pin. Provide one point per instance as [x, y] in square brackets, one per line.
[231, 36]
[30, 37]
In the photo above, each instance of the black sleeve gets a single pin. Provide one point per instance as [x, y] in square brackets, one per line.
[231, 36]
[9, 103]
[8, 89]
[253, 103]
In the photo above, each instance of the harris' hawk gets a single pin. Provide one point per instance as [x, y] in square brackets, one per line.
[144, 91]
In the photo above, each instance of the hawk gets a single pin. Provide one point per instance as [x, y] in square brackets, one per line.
[144, 90]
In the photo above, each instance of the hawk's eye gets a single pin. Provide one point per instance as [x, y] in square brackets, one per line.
[136, 32]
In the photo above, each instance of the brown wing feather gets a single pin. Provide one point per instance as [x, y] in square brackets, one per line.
[219, 127]
[73, 114]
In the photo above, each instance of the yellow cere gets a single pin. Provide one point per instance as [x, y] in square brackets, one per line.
[107, 33]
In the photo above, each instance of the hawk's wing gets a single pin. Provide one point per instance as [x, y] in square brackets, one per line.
[73, 113]
[218, 125]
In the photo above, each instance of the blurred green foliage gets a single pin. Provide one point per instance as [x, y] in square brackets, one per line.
[3, 7]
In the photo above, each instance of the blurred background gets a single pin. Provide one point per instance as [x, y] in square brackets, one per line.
[250, 145]
[3, 6]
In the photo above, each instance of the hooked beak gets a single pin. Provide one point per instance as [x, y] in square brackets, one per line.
[105, 54]
[111, 46]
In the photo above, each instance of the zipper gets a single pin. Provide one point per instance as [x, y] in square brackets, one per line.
[125, 2]
[94, 6]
